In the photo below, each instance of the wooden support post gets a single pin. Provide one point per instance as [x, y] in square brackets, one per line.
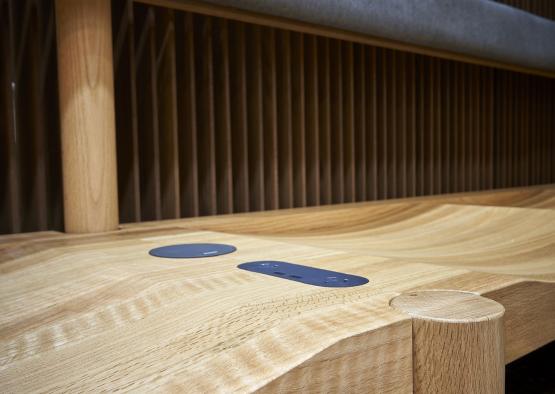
[458, 341]
[85, 72]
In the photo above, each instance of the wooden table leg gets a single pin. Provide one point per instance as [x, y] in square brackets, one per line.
[458, 341]
[85, 73]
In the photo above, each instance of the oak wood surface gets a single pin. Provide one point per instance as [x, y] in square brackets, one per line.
[86, 85]
[457, 341]
[96, 312]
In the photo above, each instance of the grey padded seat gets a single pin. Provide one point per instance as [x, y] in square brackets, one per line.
[479, 28]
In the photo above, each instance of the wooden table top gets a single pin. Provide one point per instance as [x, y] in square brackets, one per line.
[97, 312]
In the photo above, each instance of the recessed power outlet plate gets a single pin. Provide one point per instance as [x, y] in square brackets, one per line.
[188, 251]
[304, 274]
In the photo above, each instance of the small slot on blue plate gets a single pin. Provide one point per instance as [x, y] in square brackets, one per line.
[304, 274]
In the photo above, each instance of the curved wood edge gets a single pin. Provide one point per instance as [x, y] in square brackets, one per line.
[529, 307]
[457, 341]
[368, 347]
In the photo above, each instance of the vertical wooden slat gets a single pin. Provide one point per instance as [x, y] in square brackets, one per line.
[372, 125]
[474, 132]
[551, 120]
[325, 120]
[470, 159]
[445, 129]
[285, 149]
[31, 122]
[147, 104]
[517, 132]
[337, 132]
[382, 127]
[127, 137]
[428, 112]
[525, 132]
[270, 119]
[491, 125]
[360, 127]
[222, 121]
[206, 122]
[239, 129]
[411, 125]
[540, 143]
[392, 133]
[312, 121]
[482, 114]
[10, 155]
[464, 100]
[542, 126]
[547, 163]
[509, 165]
[401, 125]
[187, 115]
[421, 127]
[298, 119]
[348, 117]
[256, 107]
[167, 115]
[501, 109]
[437, 130]
[533, 129]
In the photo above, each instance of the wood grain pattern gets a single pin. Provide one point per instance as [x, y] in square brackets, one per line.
[167, 119]
[457, 341]
[418, 124]
[86, 81]
[134, 322]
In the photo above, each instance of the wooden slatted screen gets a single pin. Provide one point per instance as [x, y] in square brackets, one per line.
[30, 169]
[217, 116]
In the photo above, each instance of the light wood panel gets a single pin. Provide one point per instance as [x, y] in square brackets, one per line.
[133, 321]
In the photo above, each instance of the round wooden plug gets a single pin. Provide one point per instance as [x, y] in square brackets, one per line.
[458, 341]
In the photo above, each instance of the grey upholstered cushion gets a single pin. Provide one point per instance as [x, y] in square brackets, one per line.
[480, 28]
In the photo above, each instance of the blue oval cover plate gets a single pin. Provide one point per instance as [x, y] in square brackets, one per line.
[304, 274]
[192, 250]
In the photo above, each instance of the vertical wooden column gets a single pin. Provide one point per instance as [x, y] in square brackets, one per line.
[85, 72]
[458, 341]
